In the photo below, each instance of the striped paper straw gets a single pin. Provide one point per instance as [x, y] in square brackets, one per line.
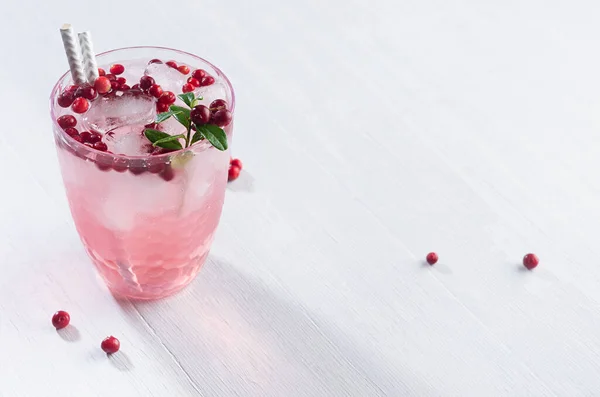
[89, 59]
[73, 55]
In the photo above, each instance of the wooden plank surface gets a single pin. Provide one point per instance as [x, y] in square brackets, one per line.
[372, 132]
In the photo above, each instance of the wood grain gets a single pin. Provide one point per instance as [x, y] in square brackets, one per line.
[371, 133]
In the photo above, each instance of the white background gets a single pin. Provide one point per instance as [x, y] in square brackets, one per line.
[372, 132]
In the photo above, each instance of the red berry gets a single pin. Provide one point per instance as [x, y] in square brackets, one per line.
[124, 88]
[102, 85]
[80, 105]
[86, 136]
[187, 87]
[111, 77]
[154, 61]
[121, 80]
[67, 121]
[61, 319]
[172, 64]
[65, 99]
[101, 72]
[235, 163]
[120, 165]
[117, 69]
[167, 173]
[193, 82]
[146, 82]
[71, 131]
[72, 88]
[156, 168]
[199, 74]
[114, 85]
[162, 107]
[200, 115]
[88, 92]
[432, 258]
[110, 345]
[184, 69]
[95, 137]
[530, 261]
[136, 87]
[167, 97]
[218, 104]
[77, 138]
[207, 80]
[101, 146]
[156, 91]
[233, 174]
[221, 118]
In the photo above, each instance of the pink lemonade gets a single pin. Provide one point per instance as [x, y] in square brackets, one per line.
[146, 215]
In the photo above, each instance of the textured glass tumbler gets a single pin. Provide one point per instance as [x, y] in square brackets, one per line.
[147, 222]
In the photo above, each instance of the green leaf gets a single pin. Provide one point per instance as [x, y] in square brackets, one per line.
[187, 98]
[155, 135]
[215, 135]
[163, 116]
[170, 142]
[181, 114]
[197, 137]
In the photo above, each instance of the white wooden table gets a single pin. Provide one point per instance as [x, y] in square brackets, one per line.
[372, 132]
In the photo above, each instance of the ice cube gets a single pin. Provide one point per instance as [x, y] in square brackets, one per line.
[217, 90]
[129, 140]
[108, 113]
[168, 78]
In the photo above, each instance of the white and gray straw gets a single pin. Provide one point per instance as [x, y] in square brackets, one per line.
[85, 70]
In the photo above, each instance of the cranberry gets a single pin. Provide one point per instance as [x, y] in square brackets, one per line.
[208, 80]
[94, 137]
[117, 69]
[235, 163]
[136, 87]
[111, 77]
[110, 345]
[218, 104]
[167, 173]
[102, 85]
[156, 91]
[146, 82]
[184, 69]
[156, 168]
[137, 167]
[530, 261]
[77, 138]
[88, 92]
[61, 319]
[187, 87]
[154, 61]
[72, 88]
[120, 165]
[101, 72]
[67, 121]
[432, 258]
[200, 115]
[121, 80]
[65, 99]
[167, 97]
[124, 88]
[221, 118]
[172, 64]
[101, 146]
[162, 107]
[80, 105]
[86, 137]
[114, 85]
[234, 173]
[71, 131]
[193, 81]
[199, 74]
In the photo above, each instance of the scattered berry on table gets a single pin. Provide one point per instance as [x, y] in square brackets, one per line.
[530, 261]
[235, 163]
[110, 345]
[432, 258]
[234, 173]
[61, 319]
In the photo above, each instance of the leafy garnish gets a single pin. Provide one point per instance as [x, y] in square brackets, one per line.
[211, 132]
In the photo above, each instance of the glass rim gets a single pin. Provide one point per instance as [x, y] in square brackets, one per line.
[197, 147]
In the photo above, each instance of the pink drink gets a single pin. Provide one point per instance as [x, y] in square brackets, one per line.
[146, 220]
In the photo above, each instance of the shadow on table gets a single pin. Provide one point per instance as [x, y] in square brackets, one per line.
[233, 334]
